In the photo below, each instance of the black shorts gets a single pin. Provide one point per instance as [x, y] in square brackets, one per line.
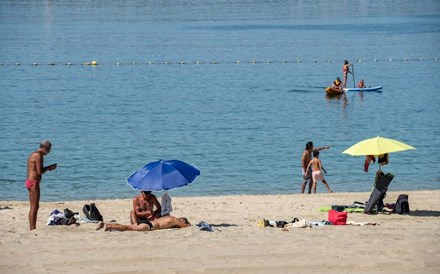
[146, 221]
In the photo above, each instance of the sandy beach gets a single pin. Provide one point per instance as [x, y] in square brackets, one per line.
[398, 243]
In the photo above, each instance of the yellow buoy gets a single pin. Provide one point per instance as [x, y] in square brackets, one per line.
[94, 63]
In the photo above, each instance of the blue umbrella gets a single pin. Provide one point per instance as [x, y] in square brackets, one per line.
[163, 175]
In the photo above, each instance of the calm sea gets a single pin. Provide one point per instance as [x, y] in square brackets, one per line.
[233, 87]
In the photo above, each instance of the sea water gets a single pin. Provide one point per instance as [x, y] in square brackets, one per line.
[233, 87]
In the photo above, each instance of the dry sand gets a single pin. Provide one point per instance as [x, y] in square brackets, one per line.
[400, 243]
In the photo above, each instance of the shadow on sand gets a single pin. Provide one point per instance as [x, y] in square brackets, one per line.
[425, 213]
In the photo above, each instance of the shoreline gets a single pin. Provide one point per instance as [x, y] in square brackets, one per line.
[160, 193]
[399, 243]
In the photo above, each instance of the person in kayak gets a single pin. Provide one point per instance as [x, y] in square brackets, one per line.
[346, 71]
[337, 84]
[361, 84]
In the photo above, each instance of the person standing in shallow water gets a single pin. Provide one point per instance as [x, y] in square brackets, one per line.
[305, 160]
[35, 171]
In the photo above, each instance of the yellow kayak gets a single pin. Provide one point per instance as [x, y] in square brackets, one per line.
[333, 91]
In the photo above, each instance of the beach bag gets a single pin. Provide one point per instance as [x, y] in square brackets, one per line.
[337, 218]
[92, 213]
[402, 204]
[69, 213]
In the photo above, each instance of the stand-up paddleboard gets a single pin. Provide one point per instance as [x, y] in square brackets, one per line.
[333, 91]
[377, 89]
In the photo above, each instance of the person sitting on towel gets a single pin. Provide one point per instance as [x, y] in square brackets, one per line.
[143, 208]
[156, 224]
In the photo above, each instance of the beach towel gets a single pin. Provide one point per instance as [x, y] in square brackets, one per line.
[368, 160]
[300, 224]
[166, 204]
[319, 223]
[58, 218]
[279, 224]
[354, 208]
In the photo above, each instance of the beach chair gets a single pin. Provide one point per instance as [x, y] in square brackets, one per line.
[381, 184]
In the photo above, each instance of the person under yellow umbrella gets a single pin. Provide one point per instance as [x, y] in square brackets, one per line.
[375, 147]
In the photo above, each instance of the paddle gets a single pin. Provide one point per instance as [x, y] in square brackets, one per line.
[352, 72]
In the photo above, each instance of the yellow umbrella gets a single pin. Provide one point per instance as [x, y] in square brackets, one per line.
[377, 146]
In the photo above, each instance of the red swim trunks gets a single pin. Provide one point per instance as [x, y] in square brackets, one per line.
[30, 183]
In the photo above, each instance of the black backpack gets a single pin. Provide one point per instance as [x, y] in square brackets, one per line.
[92, 213]
[69, 213]
[402, 204]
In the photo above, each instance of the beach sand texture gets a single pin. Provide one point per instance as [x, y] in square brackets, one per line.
[399, 243]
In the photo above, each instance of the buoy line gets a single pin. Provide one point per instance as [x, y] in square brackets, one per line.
[215, 62]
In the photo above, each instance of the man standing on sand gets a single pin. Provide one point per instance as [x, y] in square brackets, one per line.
[143, 208]
[307, 173]
[35, 170]
[160, 223]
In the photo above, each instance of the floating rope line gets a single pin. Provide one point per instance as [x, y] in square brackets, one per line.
[215, 62]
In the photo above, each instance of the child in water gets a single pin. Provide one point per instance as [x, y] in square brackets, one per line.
[361, 84]
[316, 166]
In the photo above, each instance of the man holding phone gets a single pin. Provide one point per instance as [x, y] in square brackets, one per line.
[35, 170]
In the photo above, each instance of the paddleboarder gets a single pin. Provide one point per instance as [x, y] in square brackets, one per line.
[346, 71]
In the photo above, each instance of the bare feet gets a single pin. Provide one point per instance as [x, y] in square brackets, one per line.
[330, 191]
[99, 226]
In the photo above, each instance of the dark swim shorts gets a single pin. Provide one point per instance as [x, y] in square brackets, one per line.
[308, 175]
[146, 221]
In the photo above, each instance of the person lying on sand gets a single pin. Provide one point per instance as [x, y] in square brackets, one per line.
[160, 223]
